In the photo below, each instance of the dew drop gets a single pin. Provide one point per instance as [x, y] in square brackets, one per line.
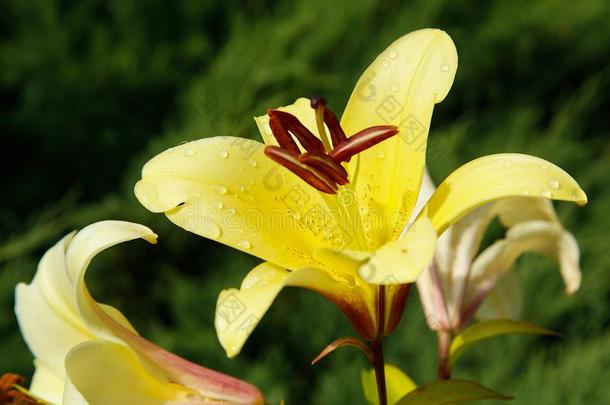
[253, 163]
[189, 153]
[244, 244]
[554, 184]
[223, 154]
[393, 53]
[445, 67]
[394, 87]
[544, 167]
[525, 192]
[218, 205]
[381, 155]
[242, 188]
[385, 64]
[547, 194]
[222, 190]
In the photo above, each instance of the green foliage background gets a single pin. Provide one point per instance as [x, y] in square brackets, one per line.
[90, 90]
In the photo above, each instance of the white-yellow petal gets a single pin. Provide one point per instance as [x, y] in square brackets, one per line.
[86, 244]
[498, 176]
[109, 373]
[399, 88]
[402, 261]
[46, 385]
[54, 311]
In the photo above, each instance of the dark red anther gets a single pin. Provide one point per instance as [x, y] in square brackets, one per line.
[311, 175]
[336, 132]
[362, 140]
[300, 131]
[326, 165]
[282, 136]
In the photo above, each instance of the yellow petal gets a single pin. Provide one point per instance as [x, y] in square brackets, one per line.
[239, 311]
[398, 384]
[226, 189]
[497, 176]
[401, 261]
[399, 88]
[110, 373]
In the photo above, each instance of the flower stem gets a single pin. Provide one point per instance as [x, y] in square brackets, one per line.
[377, 348]
[444, 342]
[379, 367]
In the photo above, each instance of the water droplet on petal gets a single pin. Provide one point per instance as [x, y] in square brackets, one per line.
[244, 244]
[445, 67]
[554, 184]
[547, 194]
[189, 152]
[385, 64]
[394, 87]
[525, 192]
[381, 155]
[218, 205]
[544, 167]
[223, 154]
[393, 53]
[253, 163]
[222, 190]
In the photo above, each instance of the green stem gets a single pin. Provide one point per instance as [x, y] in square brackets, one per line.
[377, 348]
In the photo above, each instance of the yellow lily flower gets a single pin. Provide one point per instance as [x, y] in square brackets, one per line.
[87, 352]
[332, 219]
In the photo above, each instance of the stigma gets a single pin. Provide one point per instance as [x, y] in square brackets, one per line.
[318, 161]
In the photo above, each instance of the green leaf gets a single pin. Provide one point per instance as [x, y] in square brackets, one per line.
[450, 392]
[397, 385]
[486, 329]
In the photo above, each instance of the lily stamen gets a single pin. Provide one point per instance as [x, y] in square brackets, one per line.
[320, 166]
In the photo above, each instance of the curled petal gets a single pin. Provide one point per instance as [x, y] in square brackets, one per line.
[497, 176]
[239, 311]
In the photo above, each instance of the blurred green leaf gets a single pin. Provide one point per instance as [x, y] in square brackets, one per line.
[450, 392]
[487, 329]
